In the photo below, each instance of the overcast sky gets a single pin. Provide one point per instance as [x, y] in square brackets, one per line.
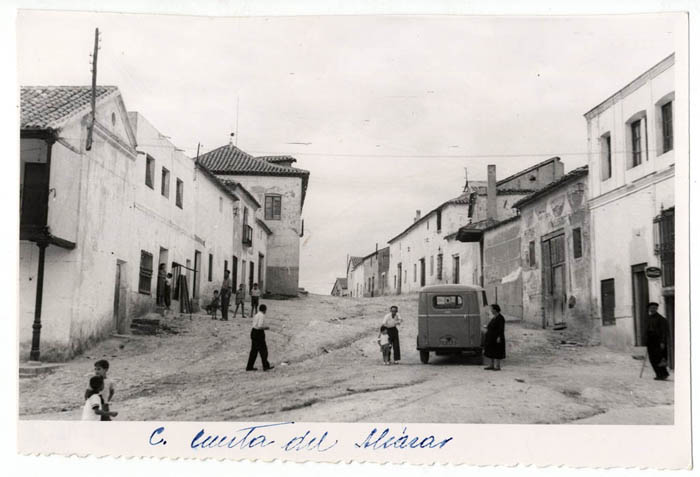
[384, 111]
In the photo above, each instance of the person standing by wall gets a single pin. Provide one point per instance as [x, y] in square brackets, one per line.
[657, 341]
[257, 341]
[391, 322]
[254, 298]
[240, 301]
[225, 295]
[495, 342]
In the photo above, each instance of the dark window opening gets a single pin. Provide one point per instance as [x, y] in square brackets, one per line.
[150, 170]
[531, 253]
[179, 191]
[667, 126]
[607, 299]
[578, 252]
[165, 183]
[636, 142]
[211, 267]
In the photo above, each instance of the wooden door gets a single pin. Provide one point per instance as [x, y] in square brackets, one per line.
[554, 279]
[119, 314]
[234, 273]
[422, 272]
[35, 195]
[640, 300]
[251, 274]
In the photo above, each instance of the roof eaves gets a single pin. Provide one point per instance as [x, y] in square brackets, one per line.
[264, 226]
[563, 180]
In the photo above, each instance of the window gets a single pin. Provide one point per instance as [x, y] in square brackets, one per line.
[415, 267]
[245, 215]
[664, 246]
[607, 300]
[179, 191]
[439, 266]
[165, 183]
[577, 242]
[145, 273]
[150, 170]
[667, 126]
[432, 263]
[439, 220]
[273, 207]
[455, 269]
[636, 129]
[531, 253]
[442, 302]
[211, 266]
[605, 157]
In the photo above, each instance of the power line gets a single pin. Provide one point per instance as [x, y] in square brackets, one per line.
[419, 156]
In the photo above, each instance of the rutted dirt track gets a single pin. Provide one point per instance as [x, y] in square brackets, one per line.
[328, 368]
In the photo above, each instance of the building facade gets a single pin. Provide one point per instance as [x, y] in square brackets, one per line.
[340, 287]
[632, 198]
[556, 256]
[107, 216]
[280, 189]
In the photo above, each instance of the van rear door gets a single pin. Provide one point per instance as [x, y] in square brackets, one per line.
[448, 325]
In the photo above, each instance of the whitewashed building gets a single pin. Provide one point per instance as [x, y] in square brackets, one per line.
[631, 185]
[95, 223]
[280, 189]
[355, 272]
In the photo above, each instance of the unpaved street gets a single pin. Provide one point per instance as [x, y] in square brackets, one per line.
[328, 368]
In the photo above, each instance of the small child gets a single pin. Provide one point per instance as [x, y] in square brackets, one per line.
[93, 401]
[384, 344]
[254, 299]
[214, 305]
[107, 393]
[240, 300]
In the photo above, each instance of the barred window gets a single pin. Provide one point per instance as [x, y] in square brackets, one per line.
[145, 273]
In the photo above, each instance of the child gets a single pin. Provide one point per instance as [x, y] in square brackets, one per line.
[93, 401]
[240, 300]
[254, 299]
[168, 289]
[101, 368]
[214, 305]
[384, 344]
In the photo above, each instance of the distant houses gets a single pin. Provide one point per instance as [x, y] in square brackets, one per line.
[584, 250]
[340, 287]
[109, 209]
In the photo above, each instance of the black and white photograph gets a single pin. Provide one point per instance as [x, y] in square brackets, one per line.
[427, 219]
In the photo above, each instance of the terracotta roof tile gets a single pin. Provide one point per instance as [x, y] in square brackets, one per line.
[49, 107]
[231, 160]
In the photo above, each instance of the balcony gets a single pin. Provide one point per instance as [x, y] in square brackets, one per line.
[247, 235]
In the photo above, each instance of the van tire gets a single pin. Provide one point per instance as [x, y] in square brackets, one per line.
[424, 356]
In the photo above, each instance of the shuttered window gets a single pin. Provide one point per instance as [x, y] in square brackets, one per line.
[607, 299]
[273, 207]
[145, 273]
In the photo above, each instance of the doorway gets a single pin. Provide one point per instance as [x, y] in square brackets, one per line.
[670, 302]
[188, 274]
[400, 275]
[197, 273]
[455, 269]
[119, 314]
[640, 299]
[422, 272]
[234, 273]
[261, 272]
[251, 275]
[554, 279]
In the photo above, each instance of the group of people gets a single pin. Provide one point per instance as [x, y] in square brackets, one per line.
[222, 299]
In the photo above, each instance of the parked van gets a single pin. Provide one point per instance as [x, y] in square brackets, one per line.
[450, 320]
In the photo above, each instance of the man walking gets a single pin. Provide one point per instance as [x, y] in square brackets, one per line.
[390, 322]
[257, 341]
[225, 295]
[657, 341]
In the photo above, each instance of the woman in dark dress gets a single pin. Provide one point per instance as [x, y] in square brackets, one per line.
[495, 342]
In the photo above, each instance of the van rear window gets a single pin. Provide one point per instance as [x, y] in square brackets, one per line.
[447, 301]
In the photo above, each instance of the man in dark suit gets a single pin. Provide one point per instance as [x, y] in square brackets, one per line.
[657, 341]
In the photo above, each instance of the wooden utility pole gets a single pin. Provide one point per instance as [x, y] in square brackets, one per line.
[91, 125]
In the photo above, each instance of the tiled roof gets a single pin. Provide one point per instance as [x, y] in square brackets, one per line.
[576, 173]
[49, 107]
[276, 159]
[468, 233]
[462, 199]
[343, 282]
[231, 160]
[355, 262]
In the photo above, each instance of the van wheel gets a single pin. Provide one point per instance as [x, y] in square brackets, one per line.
[424, 356]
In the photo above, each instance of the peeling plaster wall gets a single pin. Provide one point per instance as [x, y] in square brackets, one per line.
[502, 258]
[563, 209]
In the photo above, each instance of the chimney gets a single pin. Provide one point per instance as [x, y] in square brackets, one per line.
[491, 192]
[417, 216]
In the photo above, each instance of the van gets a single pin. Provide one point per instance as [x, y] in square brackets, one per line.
[450, 320]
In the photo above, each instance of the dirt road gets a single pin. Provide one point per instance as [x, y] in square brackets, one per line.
[328, 368]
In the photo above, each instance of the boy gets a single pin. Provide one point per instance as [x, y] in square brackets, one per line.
[254, 299]
[214, 305]
[257, 341]
[107, 392]
[93, 401]
[240, 300]
[384, 344]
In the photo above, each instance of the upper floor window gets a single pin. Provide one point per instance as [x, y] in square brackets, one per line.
[150, 170]
[245, 215]
[165, 183]
[578, 249]
[636, 130]
[179, 191]
[667, 126]
[273, 207]
[439, 220]
[605, 157]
